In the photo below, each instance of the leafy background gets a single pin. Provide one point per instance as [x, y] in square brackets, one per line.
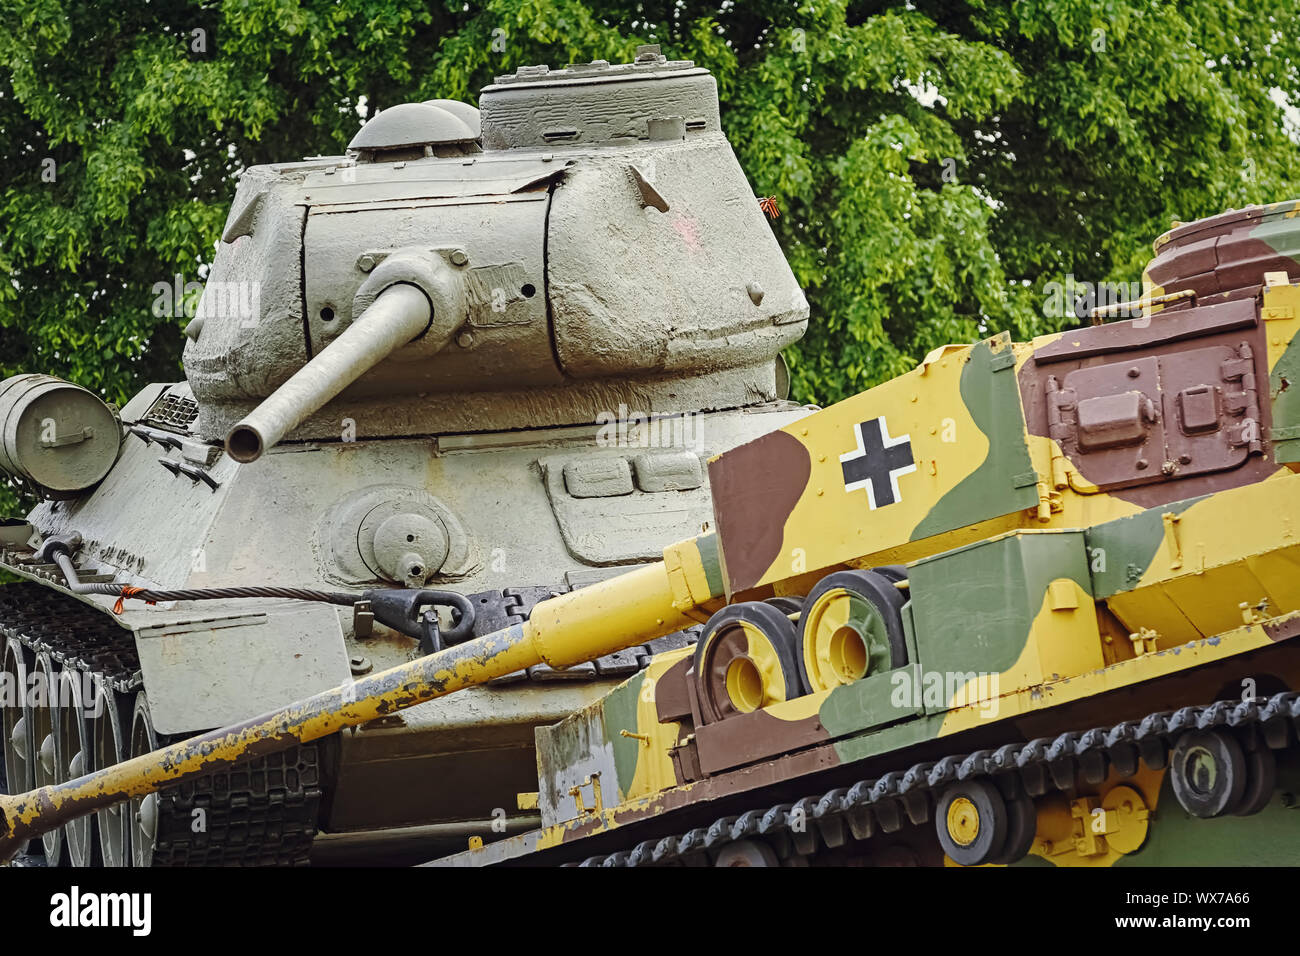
[936, 162]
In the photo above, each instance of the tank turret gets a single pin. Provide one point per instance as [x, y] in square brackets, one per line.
[602, 246]
[487, 351]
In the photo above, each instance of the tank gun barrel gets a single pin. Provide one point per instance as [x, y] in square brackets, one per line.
[399, 314]
[620, 612]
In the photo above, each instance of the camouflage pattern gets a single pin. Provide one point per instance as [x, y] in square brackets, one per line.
[1099, 529]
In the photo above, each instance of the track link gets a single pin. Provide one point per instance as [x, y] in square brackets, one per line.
[884, 804]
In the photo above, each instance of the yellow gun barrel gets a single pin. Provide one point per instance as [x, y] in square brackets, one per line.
[623, 611]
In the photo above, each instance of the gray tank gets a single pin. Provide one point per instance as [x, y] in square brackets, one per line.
[487, 351]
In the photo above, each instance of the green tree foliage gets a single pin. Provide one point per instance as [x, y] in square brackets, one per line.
[935, 162]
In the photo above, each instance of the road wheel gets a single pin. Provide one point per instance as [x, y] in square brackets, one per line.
[45, 735]
[972, 822]
[745, 660]
[746, 853]
[1261, 780]
[109, 738]
[786, 605]
[1022, 827]
[892, 572]
[16, 723]
[1208, 771]
[74, 760]
[144, 810]
[851, 626]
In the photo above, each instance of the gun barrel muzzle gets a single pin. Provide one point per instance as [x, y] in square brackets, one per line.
[399, 314]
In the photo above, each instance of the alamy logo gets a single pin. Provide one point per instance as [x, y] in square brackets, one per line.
[629, 428]
[76, 909]
[230, 300]
[940, 690]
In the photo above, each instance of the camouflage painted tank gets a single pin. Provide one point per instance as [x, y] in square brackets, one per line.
[487, 351]
[1029, 603]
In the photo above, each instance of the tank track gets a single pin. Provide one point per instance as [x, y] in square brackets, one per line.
[883, 805]
[258, 812]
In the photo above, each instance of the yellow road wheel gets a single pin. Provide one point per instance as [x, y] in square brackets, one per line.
[745, 660]
[963, 822]
[851, 626]
[972, 822]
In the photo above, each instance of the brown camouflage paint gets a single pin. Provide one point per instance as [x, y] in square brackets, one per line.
[1229, 325]
[755, 487]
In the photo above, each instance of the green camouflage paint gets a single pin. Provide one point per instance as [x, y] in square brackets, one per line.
[1005, 481]
[709, 558]
[1269, 838]
[1284, 389]
[869, 702]
[620, 710]
[981, 600]
[1120, 551]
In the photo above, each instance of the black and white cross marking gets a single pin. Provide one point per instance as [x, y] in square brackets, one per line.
[877, 462]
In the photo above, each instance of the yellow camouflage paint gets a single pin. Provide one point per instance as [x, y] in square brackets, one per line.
[831, 525]
[1063, 641]
[755, 679]
[1211, 561]
[1280, 311]
[1126, 673]
[654, 767]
